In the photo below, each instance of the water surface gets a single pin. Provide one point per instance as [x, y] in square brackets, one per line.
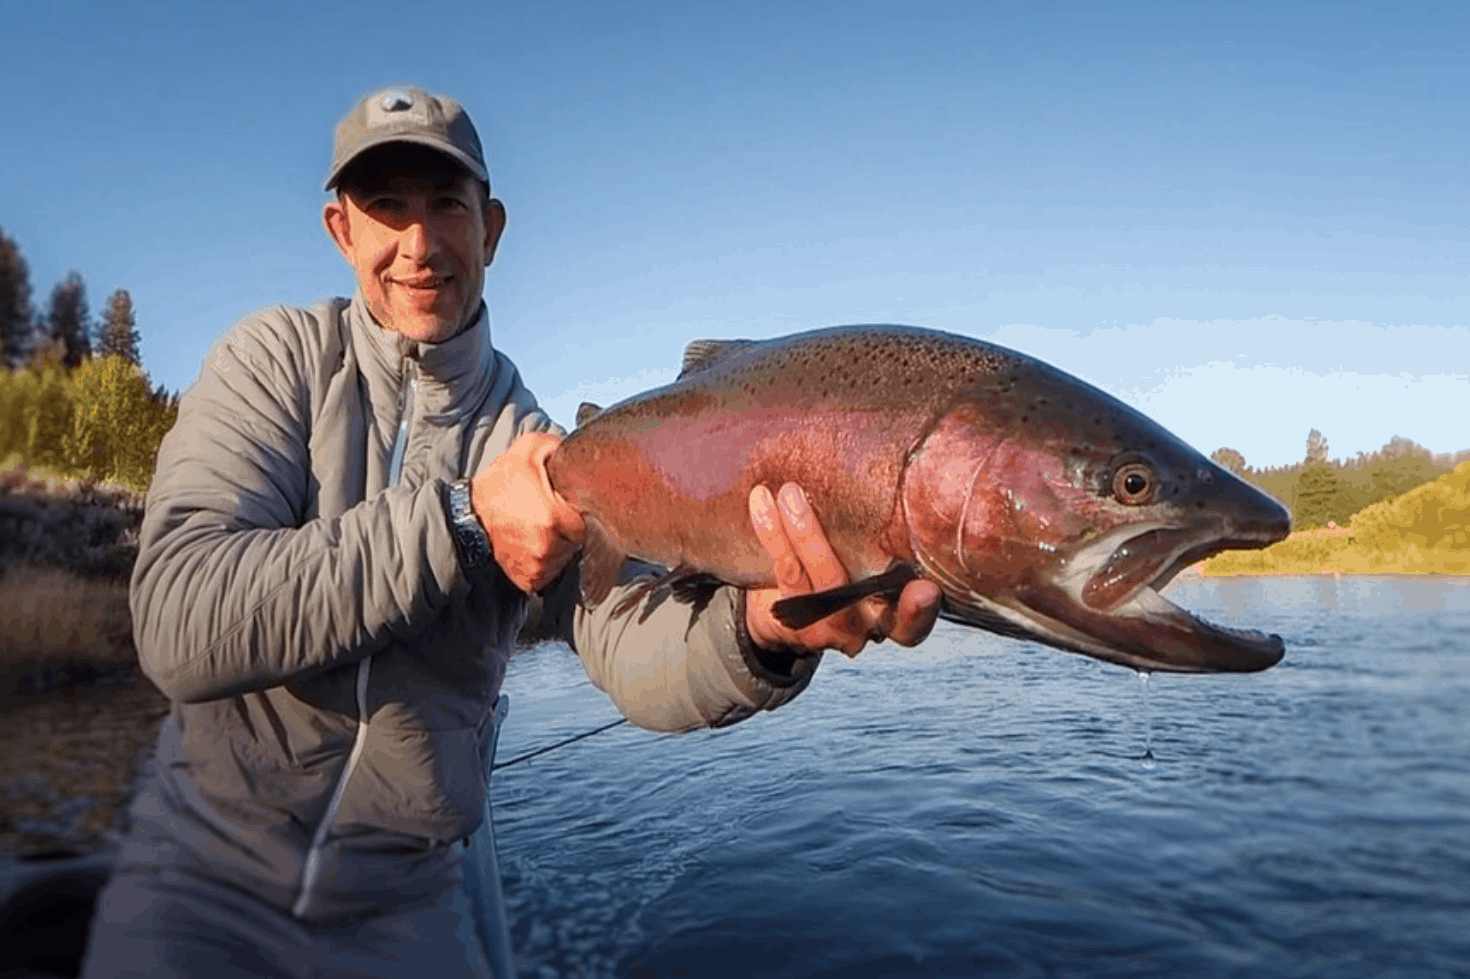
[984, 807]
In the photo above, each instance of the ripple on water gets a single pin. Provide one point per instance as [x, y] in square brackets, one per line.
[978, 806]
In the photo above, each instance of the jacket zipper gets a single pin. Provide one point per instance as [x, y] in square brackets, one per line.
[315, 855]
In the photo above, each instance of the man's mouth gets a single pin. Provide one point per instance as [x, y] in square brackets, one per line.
[423, 283]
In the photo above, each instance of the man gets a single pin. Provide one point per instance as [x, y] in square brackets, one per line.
[346, 530]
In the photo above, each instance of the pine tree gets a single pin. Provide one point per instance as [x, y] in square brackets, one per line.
[1316, 447]
[15, 303]
[1322, 496]
[68, 324]
[118, 333]
[1230, 459]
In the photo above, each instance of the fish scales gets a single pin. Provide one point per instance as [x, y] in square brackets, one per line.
[1042, 506]
[836, 416]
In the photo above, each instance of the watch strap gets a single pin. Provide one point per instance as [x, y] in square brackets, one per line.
[470, 539]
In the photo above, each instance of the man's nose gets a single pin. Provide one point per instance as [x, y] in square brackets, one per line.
[416, 241]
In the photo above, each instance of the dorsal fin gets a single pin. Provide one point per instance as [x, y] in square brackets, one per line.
[586, 411]
[703, 354]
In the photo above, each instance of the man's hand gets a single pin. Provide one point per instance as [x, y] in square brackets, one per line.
[805, 562]
[533, 532]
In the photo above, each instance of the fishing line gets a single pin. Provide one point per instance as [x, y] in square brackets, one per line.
[542, 751]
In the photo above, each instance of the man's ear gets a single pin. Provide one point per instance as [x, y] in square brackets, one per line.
[334, 217]
[494, 227]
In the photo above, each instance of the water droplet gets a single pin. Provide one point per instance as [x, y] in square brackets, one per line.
[1148, 722]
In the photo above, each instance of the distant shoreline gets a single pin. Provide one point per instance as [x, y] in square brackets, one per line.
[1193, 573]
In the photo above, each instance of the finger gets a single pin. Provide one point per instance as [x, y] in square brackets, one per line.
[918, 610]
[554, 565]
[566, 521]
[820, 562]
[791, 578]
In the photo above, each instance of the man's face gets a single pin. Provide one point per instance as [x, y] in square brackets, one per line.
[419, 241]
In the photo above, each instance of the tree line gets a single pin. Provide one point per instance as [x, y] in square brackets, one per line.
[74, 397]
[1320, 491]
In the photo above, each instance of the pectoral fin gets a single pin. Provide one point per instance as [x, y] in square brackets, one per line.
[800, 611]
[602, 560]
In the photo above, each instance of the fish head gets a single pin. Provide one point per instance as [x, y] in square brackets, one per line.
[1049, 510]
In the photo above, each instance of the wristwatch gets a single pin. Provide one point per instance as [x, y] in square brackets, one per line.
[470, 538]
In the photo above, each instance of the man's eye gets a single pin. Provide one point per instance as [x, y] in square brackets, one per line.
[452, 204]
[390, 204]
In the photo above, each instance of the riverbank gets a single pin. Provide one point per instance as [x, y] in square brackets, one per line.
[77, 719]
[68, 761]
[1336, 551]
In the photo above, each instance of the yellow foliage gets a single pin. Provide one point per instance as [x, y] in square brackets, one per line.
[1436, 514]
[1423, 531]
[38, 413]
[96, 422]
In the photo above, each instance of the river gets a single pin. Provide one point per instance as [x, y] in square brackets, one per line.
[987, 807]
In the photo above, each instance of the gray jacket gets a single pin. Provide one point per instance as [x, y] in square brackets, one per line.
[333, 668]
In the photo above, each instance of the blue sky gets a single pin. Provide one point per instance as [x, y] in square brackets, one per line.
[1247, 219]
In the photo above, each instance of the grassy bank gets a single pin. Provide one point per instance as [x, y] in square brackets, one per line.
[76, 717]
[59, 628]
[1310, 553]
[1423, 531]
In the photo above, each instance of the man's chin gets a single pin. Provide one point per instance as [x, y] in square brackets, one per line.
[422, 327]
[430, 331]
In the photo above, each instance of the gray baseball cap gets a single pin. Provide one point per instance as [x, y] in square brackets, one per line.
[407, 114]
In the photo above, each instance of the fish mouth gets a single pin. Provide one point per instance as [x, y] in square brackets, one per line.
[1119, 600]
[1107, 603]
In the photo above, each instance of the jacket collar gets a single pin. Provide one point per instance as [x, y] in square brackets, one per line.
[454, 376]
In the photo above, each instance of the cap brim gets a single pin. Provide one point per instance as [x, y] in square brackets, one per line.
[454, 153]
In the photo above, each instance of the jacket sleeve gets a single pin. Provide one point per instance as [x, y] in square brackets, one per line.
[235, 589]
[669, 664]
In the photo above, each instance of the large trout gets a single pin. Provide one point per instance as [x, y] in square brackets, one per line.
[1042, 507]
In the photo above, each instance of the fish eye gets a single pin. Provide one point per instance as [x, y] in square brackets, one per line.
[1134, 483]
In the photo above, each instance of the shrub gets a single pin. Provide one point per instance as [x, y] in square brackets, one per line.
[100, 421]
[115, 423]
[1434, 515]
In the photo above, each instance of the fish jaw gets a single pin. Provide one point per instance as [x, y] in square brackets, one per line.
[1140, 628]
[1012, 508]
[1112, 595]
[1149, 634]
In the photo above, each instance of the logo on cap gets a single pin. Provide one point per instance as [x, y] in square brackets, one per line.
[396, 102]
